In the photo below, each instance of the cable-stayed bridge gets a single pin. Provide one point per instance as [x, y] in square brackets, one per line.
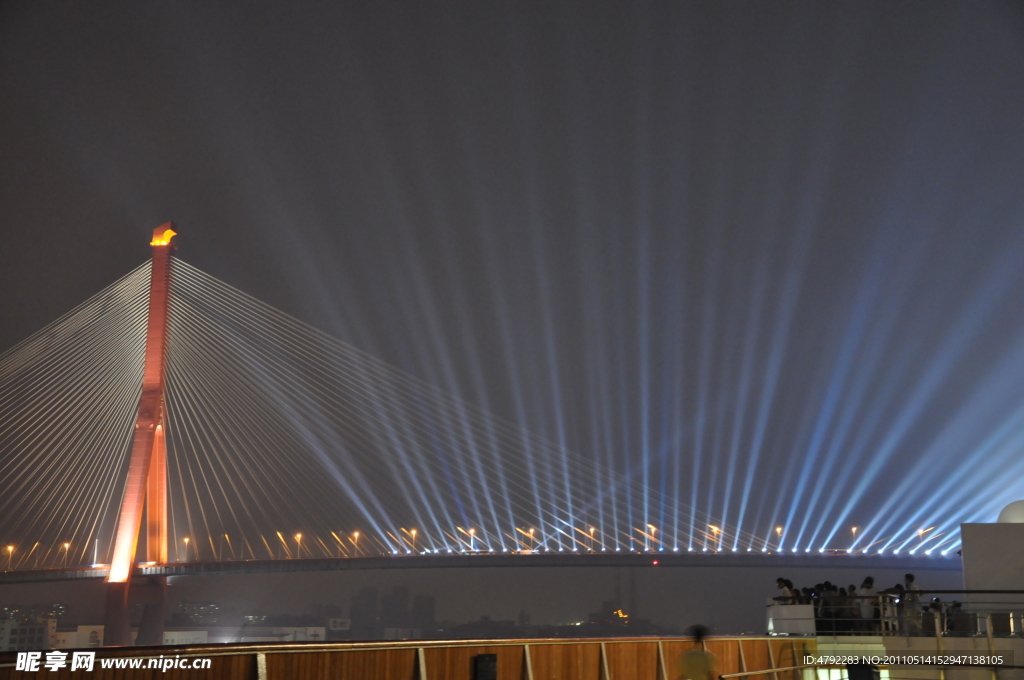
[172, 424]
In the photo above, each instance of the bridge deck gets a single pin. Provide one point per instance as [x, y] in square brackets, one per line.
[498, 560]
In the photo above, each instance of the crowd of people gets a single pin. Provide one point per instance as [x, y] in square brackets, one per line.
[865, 609]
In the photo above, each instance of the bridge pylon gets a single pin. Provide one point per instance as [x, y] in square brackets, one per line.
[146, 486]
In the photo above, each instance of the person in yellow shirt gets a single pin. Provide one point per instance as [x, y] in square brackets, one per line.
[698, 663]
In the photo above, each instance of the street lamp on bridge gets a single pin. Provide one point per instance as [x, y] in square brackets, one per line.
[10, 557]
[298, 546]
[186, 548]
[67, 547]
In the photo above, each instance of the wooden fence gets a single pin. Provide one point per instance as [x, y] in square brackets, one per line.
[540, 659]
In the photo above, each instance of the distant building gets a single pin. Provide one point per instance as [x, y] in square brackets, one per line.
[51, 631]
[364, 614]
[486, 628]
[35, 612]
[65, 639]
[201, 613]
[185, 637]
[269, 634]
[610, 615]
[78, 638]
[422, 614]
[394, 608]
[17, 636]
[339, 624]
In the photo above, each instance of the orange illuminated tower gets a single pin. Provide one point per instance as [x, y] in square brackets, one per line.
[146, 486]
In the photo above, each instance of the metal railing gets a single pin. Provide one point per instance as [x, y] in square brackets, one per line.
[989, 613]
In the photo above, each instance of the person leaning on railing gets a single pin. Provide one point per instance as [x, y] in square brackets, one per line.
[851, 610]
[869, 605]
[912, 611]
[788, 595]
[827, 607]
[893, 607]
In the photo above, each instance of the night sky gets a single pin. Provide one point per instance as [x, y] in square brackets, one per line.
[768, 252]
